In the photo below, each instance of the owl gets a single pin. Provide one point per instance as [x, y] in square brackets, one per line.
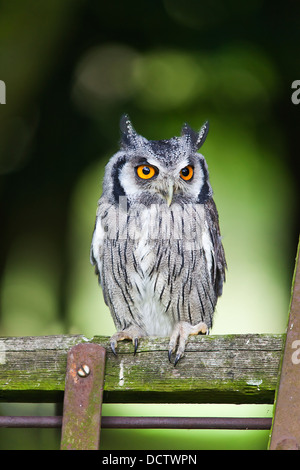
[156, 245]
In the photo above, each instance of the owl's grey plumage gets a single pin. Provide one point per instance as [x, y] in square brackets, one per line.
[156, 245]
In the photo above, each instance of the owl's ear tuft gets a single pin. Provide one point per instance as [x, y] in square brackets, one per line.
[196, 139]
[189, 134]
[128, 134]
[202, 134]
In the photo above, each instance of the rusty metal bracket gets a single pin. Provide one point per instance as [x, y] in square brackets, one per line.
[286, 424]
[83, 397]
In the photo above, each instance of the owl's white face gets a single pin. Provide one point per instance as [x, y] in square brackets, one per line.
[150, 175]
[158, 172]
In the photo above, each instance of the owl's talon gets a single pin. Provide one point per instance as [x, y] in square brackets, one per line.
[170, 354]
[180, 334]
[132, 333]
[136, 343]
[178, 356]
[113, 348]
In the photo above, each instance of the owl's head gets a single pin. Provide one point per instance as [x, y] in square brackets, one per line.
[158, 171]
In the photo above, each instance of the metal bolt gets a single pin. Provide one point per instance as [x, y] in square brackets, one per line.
[83, 371]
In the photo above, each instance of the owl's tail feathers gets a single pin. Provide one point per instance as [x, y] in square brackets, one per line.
[180, 334]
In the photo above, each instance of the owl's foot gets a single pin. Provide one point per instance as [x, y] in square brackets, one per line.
[180, 335]
[132, 332]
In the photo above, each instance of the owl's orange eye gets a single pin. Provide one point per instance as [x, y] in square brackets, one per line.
[187, 173]
[146, 171]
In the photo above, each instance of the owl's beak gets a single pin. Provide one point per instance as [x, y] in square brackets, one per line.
[170, 193]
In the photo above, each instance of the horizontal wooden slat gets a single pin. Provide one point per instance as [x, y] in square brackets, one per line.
[215, 369]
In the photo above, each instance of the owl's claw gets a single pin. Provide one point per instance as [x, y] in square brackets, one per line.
[113, 348]
[180, 335]
[178, 356]
[132, 333]
[136, 343]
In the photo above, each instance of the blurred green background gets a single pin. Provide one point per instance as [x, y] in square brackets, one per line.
[71, 69]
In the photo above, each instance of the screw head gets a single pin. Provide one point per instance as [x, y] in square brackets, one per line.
[83, 370]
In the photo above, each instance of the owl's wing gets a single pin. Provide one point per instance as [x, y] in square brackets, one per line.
[219, 261]
[96, 251]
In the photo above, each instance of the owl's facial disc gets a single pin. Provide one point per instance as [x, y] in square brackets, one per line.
[160, 181]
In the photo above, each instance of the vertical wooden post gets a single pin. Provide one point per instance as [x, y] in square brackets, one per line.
[83, 397]
[286, 425]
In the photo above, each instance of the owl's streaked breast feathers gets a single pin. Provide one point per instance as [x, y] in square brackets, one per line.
[156, 245]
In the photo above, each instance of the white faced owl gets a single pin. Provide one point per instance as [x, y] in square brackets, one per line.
[156, 245]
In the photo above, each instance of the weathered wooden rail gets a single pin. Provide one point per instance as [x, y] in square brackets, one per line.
[215, 369]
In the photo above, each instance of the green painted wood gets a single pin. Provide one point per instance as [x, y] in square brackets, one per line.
[215, 369]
